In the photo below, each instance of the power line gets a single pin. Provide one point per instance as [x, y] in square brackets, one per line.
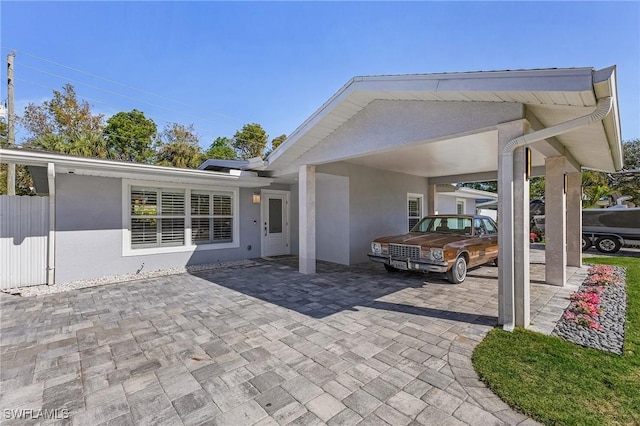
[85, 98]
[119, 94]
[123, 85]
[103, 131]
[115, 93]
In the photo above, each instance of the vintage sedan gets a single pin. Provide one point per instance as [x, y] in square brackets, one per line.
[440, 243]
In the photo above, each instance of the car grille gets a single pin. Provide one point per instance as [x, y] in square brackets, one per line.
[404, 251]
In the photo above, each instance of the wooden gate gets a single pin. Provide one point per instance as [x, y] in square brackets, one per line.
[24, 229]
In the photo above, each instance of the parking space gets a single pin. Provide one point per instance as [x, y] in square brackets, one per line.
[257, 344]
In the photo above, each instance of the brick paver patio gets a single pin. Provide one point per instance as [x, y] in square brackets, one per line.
[257, 344]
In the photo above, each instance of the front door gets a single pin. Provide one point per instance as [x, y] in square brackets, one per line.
[275, 223]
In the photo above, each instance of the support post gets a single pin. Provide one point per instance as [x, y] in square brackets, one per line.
[51, 248]
[555, 228]
[509, 259]
[521, 230]
[574, 219]
[307, 212]
[11, 120]
[431, 199]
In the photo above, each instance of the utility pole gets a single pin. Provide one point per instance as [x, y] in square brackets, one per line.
[11, 168]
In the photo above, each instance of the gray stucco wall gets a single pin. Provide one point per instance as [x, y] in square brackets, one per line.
[89, 233]
[377, 204]
[332, 218]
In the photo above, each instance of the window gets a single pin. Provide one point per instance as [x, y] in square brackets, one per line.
[211, 217]
[157, 217]
[460, 206]
[414, 209]
[162, 220]
[489, 226]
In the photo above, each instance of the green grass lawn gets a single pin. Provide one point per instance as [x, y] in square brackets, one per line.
[557, 382]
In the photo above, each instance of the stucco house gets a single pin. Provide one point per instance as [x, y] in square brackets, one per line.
[357, 168]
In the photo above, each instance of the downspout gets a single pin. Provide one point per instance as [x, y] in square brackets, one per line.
[602, 109]
[51, 252]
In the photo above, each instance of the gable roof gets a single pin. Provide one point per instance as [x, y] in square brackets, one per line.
[552, 95]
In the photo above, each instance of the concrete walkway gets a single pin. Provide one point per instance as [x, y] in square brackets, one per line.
[259, 344]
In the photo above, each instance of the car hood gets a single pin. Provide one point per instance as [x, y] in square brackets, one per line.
[433, 239]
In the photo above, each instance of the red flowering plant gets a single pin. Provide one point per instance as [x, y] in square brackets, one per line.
[602, 275]
[587, 297]
[584, 308]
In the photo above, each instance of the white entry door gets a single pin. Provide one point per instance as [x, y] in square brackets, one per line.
[275, 223]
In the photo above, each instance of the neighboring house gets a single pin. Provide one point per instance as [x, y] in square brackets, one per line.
[451, 199]
[367, 163]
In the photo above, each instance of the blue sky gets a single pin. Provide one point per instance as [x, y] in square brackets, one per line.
[220, 65]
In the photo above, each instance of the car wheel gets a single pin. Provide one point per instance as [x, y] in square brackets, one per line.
[458, 271]
[586, 243]
[608, 244]
[390, 268]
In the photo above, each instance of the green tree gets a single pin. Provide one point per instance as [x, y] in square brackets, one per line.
[536, 187]
[491, 186]
[628, 183]
[64, 124]
[631, 154]
[23, 178]
[178, 147]
[276, 142]
[130, 136]
[595, 186]
[250, 141]
[221, 148]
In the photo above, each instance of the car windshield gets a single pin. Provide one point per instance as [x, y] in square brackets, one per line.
[444, 225]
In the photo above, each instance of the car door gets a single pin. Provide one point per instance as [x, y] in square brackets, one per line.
[478, 243]
[490, 240]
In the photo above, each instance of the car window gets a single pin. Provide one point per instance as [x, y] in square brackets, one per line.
[452, 225]
[479, 227]
[444, 224]
[491, 228]
[423, 226]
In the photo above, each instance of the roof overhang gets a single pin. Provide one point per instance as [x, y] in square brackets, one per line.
[463, 192]
[118, 169]
[551, 96]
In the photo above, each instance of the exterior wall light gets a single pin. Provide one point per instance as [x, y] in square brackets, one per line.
[256, 198]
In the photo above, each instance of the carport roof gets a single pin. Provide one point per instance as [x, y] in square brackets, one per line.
[551, 96]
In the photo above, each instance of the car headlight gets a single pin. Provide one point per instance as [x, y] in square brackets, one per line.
[376, 248]
[437, 254]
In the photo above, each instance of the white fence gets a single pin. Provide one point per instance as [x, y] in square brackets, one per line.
[24, 226]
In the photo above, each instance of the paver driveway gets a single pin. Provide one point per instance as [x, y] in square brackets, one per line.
[258, 344]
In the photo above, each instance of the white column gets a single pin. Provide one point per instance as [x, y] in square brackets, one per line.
[507, 260]
[555, 228]
[521, 229]
[574, 219]
[431, 199]
[307, 213]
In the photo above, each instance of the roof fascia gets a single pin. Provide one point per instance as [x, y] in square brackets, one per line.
[109, 168]
[605, 84]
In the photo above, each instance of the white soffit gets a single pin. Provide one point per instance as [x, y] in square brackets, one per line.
[439, 158]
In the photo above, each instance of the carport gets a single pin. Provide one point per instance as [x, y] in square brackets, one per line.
[383, 137]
